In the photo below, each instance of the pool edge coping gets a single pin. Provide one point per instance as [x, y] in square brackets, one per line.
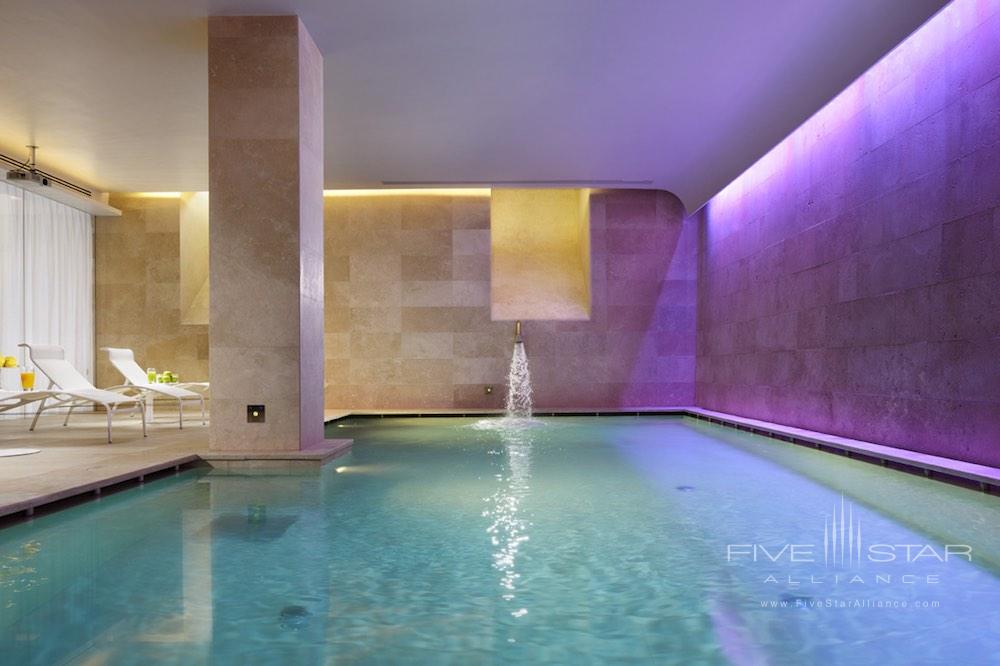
[95, 487]
[222, 461]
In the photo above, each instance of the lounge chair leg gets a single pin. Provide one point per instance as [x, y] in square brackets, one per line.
[141, 406]
[203, 420]
[111, 413]
[38, 413]
[68, 414]
[180, 412]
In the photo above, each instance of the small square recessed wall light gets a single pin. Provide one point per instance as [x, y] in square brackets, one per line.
[255, 413]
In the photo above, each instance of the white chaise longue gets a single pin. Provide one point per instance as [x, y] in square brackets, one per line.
[69, 388]
[136, 379]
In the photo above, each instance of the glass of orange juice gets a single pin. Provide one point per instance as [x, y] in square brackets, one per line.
[27, 379]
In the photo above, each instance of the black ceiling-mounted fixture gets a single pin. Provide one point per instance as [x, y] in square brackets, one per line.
[28, 176]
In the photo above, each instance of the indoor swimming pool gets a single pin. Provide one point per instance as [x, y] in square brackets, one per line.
[572, 539]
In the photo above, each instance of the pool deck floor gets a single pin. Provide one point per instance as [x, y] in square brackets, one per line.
[77, 460]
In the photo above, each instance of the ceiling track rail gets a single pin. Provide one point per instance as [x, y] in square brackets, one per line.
[20, 164]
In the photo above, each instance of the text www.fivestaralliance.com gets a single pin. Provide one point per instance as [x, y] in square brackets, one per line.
[851, 603]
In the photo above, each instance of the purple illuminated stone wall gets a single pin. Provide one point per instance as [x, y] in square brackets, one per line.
[850, 280]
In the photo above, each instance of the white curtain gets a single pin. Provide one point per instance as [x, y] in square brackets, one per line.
[47, 272]
[11, 276]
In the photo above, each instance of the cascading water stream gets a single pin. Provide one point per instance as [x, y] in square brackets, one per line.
[509, 522]
[518, 405]
[519, 384]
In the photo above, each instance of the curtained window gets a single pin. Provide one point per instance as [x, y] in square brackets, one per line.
[46, 280]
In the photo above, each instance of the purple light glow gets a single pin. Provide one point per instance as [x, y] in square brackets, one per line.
[850, 279]
[874, 100]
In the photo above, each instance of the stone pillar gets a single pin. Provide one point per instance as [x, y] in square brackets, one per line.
[265, 99]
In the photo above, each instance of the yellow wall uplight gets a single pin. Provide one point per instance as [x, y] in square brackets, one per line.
[153, 195]
[383, 192]
[412, 191]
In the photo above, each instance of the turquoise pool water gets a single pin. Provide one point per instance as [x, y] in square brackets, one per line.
[581, 540]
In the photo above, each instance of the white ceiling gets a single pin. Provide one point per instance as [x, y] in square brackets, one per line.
[683, 93]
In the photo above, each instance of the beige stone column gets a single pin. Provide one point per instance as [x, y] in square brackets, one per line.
[265, 83]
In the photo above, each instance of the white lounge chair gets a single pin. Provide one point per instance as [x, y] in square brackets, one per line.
[68, 388]
[135, 377]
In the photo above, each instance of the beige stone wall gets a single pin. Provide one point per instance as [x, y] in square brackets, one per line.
[138, 300]
[408, 322]
[407, 307]
[194, 257]
[408, 303]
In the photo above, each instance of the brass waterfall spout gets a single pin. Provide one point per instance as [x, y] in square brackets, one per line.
[517, 332]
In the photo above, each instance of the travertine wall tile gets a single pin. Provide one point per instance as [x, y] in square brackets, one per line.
[137, 278]
[408, 303]
[411, 331]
